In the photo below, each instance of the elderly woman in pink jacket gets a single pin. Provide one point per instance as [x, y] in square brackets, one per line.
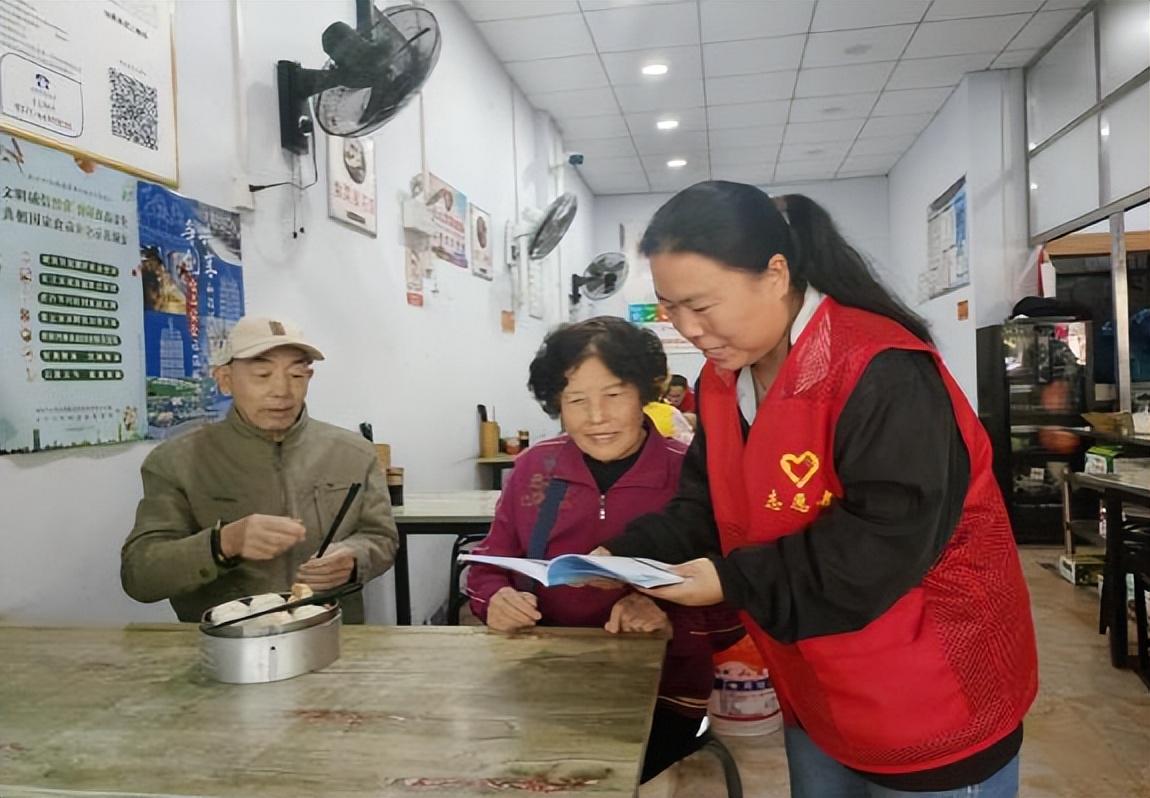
[569, 494]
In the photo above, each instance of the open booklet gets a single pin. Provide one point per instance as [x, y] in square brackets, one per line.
[571, 569]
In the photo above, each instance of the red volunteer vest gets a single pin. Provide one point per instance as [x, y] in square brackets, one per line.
[951, 667]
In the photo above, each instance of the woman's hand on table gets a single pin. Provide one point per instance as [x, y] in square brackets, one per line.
[636, 613]
[700, 586]
[509, 610]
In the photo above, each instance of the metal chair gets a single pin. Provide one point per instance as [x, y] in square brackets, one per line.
[456, 597]
[716, 748]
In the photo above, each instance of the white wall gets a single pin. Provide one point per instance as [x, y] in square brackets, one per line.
[996, 194]
[978, 133]
[939, 157]
[415, 373]
[858, 206]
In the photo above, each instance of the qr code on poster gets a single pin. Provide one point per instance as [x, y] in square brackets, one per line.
[133, 108]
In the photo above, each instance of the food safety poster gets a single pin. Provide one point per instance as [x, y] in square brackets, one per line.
[71, 333]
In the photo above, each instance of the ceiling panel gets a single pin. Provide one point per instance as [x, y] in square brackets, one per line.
[895, 125]
[697, 160]
[749, 115]
[812, 151]
[602, 5]
[538, 37]
[606, 167]
[911, 101]
[762, 90]
[925, 73]
[819, 109]
[818, 132]
[558, 74]
[1013, 58]
[688, 119]
[758, 136]
[653, 96]
[729, 20]
[671, 142]
[485, 10]
[886, 145]
[845, 14]
[806, 170]
[961, 36]
[856, 46]
[578, 103]
[764, 154]
[615, 184]
[645, 26]
[753, 55]
[697, 169]
[683, 63]
[878, 163]
[617, 147]
[735, 89]
[843, 79]
[847, 174]
[755, 175]
[594, 127]
[957, 9]
[1041, 29]
[677, 179]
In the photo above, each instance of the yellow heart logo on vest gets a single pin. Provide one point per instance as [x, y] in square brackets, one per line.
[800, 467]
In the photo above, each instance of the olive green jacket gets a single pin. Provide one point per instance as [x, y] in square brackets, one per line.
[228, 470]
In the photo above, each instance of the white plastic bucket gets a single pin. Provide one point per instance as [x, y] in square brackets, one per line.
[743, 702]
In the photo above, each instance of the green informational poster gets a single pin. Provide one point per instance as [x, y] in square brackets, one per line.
[71, 307]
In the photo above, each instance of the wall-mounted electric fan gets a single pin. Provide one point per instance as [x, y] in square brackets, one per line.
[374, 70]
[602, 278]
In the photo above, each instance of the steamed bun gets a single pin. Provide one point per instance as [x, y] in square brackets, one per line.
[269, 620]
[307, 611]
[265, 601]
[229, 612]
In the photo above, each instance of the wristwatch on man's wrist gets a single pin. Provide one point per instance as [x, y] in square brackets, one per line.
[218, 548]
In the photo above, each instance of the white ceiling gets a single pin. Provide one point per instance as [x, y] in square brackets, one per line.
[764, 90]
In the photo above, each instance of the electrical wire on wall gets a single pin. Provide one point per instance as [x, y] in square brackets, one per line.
[429, 272]
[297, 228]
[513, 267]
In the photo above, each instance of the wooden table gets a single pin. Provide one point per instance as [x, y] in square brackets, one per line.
[429, 711]
[1086, 529]
[449, 513]
[1116, 490]
[498, 464]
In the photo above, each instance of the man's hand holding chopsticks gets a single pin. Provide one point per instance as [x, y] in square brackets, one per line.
[332, 570]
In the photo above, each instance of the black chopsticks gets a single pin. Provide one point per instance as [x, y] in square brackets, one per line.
[347, 500]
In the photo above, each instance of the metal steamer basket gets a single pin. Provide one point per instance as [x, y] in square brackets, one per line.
[241, 655]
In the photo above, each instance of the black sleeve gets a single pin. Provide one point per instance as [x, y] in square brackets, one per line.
[904, 471]
[685, 528]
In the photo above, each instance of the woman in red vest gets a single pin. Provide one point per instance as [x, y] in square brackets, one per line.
[839, 493]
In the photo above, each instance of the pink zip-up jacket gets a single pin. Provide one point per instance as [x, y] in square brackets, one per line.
[585, 520]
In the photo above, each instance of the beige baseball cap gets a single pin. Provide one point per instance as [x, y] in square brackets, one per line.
[254, 335]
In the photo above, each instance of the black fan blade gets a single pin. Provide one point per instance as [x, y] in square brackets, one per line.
[391, 64]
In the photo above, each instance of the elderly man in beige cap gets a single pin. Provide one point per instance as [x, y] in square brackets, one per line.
[240, 507]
